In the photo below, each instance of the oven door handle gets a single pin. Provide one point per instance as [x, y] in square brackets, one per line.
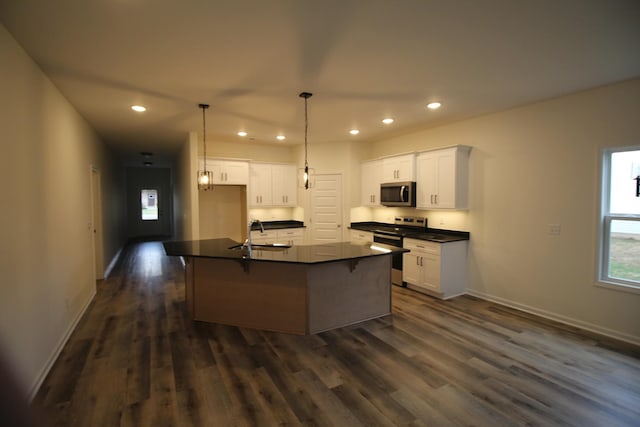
[389, 237]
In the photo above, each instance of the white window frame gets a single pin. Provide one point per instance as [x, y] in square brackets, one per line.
[605, 219]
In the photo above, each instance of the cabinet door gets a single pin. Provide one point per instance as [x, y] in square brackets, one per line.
[411, 268]
[406, 167]
[228, 172]
[283, 181]
[427, 180]
[215, 166]
[260, 185]
[431, 271]
[370, 179]
[398, 168]
[442, 177]
[446, 179]
[235, 173]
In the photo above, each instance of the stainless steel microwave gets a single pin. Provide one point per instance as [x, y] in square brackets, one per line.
[398, 194]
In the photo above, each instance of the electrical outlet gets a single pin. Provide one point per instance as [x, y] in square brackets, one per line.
[554, 229]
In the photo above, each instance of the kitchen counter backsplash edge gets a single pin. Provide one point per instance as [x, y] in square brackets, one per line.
[371, 226]
[280, 224]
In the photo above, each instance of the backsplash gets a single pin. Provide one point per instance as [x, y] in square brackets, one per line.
[277, 214]
[449, 220]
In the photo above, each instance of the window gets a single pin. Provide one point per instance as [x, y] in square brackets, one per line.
[620, 241]
[149, 204]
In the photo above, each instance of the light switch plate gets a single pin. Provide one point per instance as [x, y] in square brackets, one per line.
[554, 229]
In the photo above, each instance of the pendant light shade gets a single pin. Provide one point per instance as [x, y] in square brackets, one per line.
[306, 177]
[205, 177]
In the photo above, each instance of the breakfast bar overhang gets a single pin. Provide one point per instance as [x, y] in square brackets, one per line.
[302, 289]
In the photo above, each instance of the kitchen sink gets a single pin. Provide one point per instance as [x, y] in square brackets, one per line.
[261, 247]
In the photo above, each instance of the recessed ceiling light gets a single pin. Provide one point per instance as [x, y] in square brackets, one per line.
[434, 105]
[139, 108]
[387, 121]
[354, 131]
[281, 137]
[242, 133]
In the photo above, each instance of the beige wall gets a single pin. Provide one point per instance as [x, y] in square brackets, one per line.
[223, 212]
[46, 264]
[248, 151]
[186, 197]
[530, 167]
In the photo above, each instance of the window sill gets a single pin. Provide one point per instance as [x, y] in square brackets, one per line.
[634, 289]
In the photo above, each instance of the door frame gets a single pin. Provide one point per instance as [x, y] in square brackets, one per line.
[95, 184]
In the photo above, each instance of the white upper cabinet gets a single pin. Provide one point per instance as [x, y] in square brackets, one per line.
[284, 189]
[370, 179]
[272, 185]
[229, 172]
[442, 178]
[260, 185]
[399, 168]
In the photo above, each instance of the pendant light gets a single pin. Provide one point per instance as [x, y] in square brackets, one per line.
[305, 178]
[205, 177]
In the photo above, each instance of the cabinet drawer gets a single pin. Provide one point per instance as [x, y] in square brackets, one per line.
[422, 246]
[269, 236]
[361, 236]
[293, 233]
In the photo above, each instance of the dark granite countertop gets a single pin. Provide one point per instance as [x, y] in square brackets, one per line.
[430, 234]
[277, 225]
[301, 254]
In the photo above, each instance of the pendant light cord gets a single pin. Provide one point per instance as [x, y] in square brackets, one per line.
[305, 95]
[204, 135]
[306, 128]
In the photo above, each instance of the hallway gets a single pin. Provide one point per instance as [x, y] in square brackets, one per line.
[136, 360]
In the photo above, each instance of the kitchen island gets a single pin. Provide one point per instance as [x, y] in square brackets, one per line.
[302, 289]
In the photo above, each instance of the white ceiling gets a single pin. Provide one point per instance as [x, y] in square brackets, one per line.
[362, 59]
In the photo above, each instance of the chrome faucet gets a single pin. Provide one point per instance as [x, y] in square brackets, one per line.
[247, 242]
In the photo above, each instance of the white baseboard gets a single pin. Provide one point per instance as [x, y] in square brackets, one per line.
[33, 390]
[632, 339]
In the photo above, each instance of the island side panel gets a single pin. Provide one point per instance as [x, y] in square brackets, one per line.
[346, 292]
[269, 296]
[188, 284]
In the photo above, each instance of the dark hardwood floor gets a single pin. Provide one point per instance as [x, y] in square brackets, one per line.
[136, 360]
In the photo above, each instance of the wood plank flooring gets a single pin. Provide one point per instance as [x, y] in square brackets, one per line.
[136, 360]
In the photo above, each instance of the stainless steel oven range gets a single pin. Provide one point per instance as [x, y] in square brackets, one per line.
[393, 235]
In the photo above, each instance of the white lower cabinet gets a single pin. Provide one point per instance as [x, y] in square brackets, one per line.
[438, 269]
[291, 236]
[359, 236]
[264, 237]
[285, 236]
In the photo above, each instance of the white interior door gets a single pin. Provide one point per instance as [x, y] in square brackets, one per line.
[326, 209]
